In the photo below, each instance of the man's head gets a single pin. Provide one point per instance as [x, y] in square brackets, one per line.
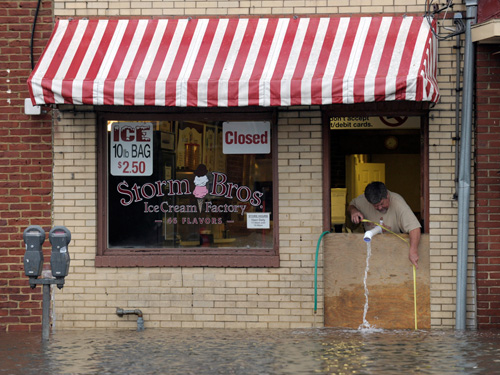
[376, 193]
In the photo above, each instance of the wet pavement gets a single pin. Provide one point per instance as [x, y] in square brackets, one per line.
[247, 352]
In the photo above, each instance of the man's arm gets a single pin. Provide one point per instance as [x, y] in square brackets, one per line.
[414, 241]
[356, 215]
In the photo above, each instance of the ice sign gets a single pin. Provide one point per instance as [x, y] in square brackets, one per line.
[131, 151]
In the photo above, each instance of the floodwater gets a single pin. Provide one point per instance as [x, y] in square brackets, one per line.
[274, 351]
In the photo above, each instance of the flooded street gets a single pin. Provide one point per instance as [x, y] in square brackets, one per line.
[246, 352]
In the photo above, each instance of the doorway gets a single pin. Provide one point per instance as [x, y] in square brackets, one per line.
[363, 144]
[362, 149]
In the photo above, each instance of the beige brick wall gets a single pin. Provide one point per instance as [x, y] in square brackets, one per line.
[192, 297]
[197, 8]
[443, 207]
[267, 298]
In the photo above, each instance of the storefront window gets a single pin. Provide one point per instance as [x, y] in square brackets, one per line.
[183, 187]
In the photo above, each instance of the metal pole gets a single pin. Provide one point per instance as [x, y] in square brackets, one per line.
[46, 301]
[46, 312]
[464, 175]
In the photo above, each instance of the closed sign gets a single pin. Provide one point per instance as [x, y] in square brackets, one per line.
[246, 137]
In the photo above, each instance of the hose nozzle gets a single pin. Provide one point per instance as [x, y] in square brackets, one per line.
[372, 232]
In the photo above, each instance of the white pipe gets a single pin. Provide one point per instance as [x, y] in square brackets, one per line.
[372, 232]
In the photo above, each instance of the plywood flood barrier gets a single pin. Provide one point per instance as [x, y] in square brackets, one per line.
[389, 282]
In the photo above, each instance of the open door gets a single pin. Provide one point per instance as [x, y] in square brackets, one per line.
[360, 173]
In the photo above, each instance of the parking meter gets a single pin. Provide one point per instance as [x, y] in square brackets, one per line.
[33, 236]
[59, 237]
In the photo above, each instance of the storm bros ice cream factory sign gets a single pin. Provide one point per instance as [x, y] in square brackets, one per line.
[220, 188]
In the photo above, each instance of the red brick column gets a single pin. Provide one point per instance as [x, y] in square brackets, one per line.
[488, 186]
[25, 162]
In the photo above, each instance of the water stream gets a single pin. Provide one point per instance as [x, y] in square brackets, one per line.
[365, 325]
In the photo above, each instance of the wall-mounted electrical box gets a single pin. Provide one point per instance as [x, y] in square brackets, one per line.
[30, 109]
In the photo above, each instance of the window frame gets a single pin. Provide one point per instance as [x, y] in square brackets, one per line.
[179, 257]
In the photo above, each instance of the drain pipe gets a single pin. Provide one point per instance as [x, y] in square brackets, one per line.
[140, 320]
[464, 172]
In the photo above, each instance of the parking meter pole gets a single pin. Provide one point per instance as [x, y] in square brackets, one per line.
[46, 302]
[46, 312]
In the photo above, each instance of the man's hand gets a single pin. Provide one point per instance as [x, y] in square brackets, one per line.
[414, 258]
[356, 215]
[414, 241]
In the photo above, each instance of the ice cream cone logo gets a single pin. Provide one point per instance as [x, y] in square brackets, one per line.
[200, 182]
[200, 204]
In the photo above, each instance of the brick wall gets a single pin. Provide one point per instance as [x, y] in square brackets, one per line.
[488, 186]
[25, 162]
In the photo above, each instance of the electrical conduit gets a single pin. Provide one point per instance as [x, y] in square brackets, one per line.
[464, 170]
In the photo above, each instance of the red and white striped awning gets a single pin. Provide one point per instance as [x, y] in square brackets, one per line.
[237, 62]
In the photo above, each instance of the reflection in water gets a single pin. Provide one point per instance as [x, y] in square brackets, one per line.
[216, 351]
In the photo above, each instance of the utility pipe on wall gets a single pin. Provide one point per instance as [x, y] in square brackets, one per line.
[458, 90]
[140, 321]
[464, 172]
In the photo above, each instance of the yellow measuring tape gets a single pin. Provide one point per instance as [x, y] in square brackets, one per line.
[414, 268]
